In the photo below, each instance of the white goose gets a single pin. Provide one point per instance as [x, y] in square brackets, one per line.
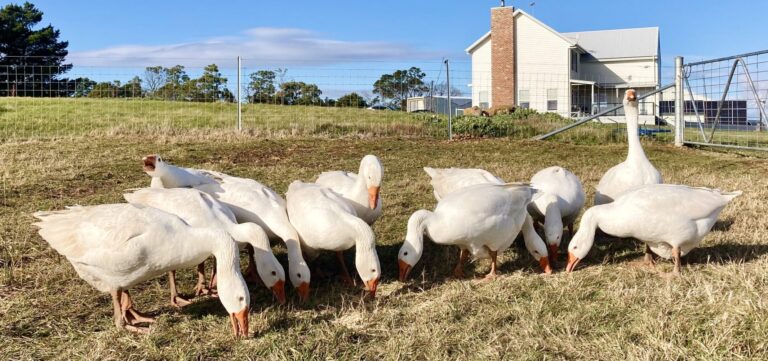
[326, 222]
[636, 169]
[199, 209]
[249, 200]
[447, 180]
[560, 197]
[670, 219]
[481, 220]
[361, 190]
[115, 246]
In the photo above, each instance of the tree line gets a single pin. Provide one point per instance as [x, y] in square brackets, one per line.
[33, 64]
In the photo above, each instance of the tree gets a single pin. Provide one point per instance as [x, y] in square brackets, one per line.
[105, 90]
[441, 89]
[132, 89]
[352, 100]
[262, 86]
[210, 85]
[299, 93]
[401, 85]
[154, 78]
[30, 60]
[177, 84]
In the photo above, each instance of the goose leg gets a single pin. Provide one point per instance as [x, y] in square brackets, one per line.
[130, 314]
[676, 258]
[492, 274]
[176, 300]
[118, 309]
[212, 285]
[649, 257]
[348, 280]
[458, 271]
[200, 287]
[251, 275]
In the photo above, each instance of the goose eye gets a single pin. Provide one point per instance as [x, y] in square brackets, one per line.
[274, 273]
[241, 298]
[373, 270]
[298, 275]
[574, 247]
[405, 253]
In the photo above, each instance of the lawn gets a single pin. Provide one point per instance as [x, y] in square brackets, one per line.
[611, 308]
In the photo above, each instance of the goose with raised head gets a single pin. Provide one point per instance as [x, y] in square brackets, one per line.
[115, 246]
[636, 169]
[199, 209]
[361, 190]
[327, 222]
[249, 200]
[482, 220]
[670, 219]
[447, 180]
[560, 197]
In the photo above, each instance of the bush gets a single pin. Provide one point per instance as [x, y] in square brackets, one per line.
[522, 123]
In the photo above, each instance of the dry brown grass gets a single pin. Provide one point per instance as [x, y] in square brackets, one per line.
[613, 308]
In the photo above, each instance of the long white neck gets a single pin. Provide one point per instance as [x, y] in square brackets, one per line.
[177, 177]
[243, 234]
[417, 225]
[533, 243]
[585, 237]
[632, 115]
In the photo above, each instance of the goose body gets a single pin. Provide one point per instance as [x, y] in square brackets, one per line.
[199, 209]
[481, 220]
[249, 201]
[447, 180]
[636, 170]
[560, 197]
[670, 219]
[115, 246]
[360, 190]
[327, 222]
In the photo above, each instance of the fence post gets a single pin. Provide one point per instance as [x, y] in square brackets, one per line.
[450, 112]
[239, 100]
[679, 102]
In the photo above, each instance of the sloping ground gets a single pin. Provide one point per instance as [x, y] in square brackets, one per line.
[611, 308]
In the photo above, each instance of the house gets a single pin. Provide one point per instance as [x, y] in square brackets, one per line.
[522, 61]
[437, 104]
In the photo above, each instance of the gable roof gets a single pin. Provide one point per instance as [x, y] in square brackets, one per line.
[601, 44]
[619, 43]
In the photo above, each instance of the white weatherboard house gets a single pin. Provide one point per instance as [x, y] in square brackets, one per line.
[526, 63]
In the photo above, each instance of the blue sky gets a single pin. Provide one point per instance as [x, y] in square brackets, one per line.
[136, 33]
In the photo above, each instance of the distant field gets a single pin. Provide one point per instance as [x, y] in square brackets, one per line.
[612, 308]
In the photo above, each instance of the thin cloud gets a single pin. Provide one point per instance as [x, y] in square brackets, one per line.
[264, 46]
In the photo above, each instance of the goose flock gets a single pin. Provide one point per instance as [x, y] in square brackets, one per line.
[188, 215]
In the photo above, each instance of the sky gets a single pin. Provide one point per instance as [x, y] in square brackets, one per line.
[125, 34]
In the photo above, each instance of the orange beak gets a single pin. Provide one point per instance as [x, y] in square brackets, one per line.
[544, 263]
[303, 290]
[371, 286]
[149, 163]
[405, 270]
[572, 262]
[240, 322]
[373, 197]
[553, 249]
[278, 289]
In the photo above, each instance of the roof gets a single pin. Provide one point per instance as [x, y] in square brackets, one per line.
[619, 43]
[602, 44]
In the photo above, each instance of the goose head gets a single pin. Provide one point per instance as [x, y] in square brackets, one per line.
[153, 165]
[299, 274]
[367, 264]
[408, 256]
[234, 296]
[579, 246]
[372, 172]
[269, 269]
[630, 97]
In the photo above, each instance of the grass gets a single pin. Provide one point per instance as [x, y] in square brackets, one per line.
[612, 308]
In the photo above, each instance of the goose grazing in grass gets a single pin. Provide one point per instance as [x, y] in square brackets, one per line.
[115, 246]
[361, 190]
[670, 219]
[327, 222]
[447, 180]
[249, 200]
[482, 220]
[199, 209]
[636, 169]
[560, 197]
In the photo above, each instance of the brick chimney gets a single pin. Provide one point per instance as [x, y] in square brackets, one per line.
[503, 59]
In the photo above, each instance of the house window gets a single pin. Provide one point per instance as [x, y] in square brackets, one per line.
[524, 99]
[552, 99]
[483, 95]
[574, 61]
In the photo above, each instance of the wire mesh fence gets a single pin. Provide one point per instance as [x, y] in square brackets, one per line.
[724, 101]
